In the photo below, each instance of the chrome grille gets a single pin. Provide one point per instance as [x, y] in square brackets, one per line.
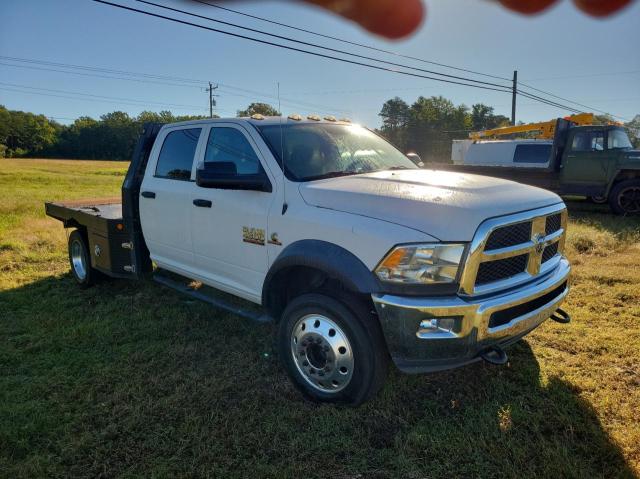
[553, 223]
[549, 252]
[509, 236]
[501, 269]
[514, 249]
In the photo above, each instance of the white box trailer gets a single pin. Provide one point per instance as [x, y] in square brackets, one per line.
[518, 153]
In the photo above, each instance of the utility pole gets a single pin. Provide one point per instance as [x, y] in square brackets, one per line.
[212, 101]
[513, 97]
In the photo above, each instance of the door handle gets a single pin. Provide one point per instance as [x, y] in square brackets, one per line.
[148, 194]
[203, 203]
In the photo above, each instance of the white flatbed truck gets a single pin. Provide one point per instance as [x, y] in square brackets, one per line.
[359, 256]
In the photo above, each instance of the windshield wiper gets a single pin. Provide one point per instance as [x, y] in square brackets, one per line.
[393, 168]
[331, 174]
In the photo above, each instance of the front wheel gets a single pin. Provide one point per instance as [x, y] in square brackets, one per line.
[333, 353]
[625, 197]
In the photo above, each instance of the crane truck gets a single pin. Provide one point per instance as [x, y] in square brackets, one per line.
[569, 156]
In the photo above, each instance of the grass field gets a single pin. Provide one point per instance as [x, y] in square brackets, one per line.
[128, 379]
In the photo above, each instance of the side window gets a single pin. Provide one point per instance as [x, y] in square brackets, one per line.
[588, 141]
[176, 156]
[230, 146]
[532, 154]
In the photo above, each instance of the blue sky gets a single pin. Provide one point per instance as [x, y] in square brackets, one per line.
[595, 62]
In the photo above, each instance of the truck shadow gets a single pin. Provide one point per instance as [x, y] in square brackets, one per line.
[601, 217]
[113, 378]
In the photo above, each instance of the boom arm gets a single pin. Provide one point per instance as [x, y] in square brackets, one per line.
[546, 129]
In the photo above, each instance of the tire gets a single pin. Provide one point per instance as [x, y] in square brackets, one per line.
[598, 200]
[332, 353]
[80, 260]
[624, 198]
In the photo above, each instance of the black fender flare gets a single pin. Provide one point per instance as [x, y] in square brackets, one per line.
[331, 259]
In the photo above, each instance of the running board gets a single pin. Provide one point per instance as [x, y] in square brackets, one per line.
[216, 302]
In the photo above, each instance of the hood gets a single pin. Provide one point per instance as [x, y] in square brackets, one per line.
[447, 205]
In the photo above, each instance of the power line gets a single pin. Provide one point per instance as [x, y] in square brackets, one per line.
[191, 82]
[91, 95]
[315, 45]
[569, 77]
[287, 47]
[549, 102]
[400, 55]
[362, 45]
[571, 101]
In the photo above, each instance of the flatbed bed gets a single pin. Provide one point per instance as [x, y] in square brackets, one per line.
[103, 223]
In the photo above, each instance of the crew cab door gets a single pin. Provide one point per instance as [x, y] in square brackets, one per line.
[165, 198]
[586, 163]
[229, 226]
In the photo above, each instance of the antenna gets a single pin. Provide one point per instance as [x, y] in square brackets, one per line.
[284, 176]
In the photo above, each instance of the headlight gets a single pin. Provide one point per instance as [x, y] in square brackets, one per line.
[422, 264]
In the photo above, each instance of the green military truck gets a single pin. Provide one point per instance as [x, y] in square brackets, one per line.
[596, 161]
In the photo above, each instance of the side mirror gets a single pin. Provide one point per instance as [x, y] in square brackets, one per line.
[224, 176]
[416, 159]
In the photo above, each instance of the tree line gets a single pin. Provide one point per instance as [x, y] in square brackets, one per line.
[427, 127]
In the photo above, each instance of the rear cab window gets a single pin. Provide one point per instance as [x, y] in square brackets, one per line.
[539, 154]
[177, 154]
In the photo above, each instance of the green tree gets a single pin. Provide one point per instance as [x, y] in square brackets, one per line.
[259, 108]
[633, 129]
[483, 118]
[395, 116]
[433, 123]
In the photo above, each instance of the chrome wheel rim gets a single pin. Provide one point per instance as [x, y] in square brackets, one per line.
[322, 353]
[77, 260]
[629, 199]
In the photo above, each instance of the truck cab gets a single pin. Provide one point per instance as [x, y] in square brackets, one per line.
[595, 159]
[357, 255]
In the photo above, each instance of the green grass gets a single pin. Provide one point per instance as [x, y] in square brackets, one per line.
[127, 379]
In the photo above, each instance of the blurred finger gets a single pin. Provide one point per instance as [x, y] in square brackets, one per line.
[601, 8]
[388, 18]
[528, 7]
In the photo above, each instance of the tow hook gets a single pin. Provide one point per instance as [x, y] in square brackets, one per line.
[561, 316]
[495, 355]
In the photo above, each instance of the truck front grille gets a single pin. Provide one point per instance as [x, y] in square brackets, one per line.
[509, 236]
[549, 252]
[511, 250]
[553, 223]
[501, 269]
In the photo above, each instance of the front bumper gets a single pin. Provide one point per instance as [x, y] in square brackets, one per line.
[431, 334]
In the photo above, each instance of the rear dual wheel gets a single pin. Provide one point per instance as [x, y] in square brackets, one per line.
[80, 259]
[332, 352]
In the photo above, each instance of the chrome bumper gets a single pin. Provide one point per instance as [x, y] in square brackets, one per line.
[430, 334]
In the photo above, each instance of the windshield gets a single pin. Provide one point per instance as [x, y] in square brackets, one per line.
[316, 151]
[618, 140]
